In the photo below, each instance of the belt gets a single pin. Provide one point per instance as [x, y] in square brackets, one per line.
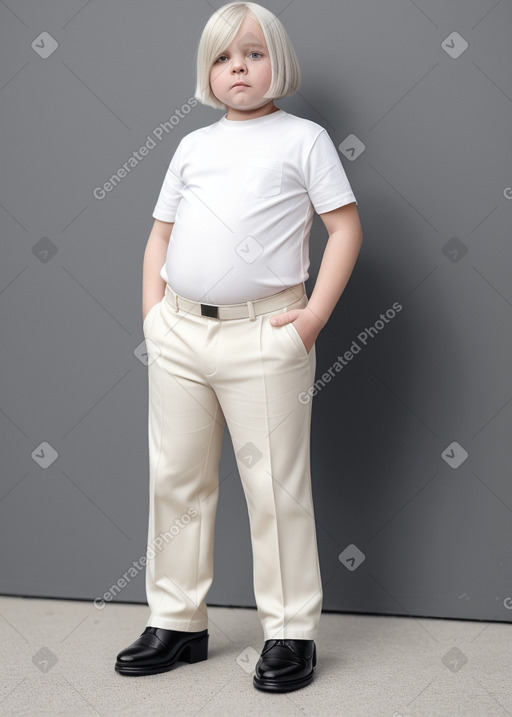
[246, 309]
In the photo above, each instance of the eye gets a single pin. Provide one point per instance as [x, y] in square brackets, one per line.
[254, 52]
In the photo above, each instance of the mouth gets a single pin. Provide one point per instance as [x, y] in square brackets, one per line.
[240, 84]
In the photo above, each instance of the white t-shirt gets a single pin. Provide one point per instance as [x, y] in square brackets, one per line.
[242, 196]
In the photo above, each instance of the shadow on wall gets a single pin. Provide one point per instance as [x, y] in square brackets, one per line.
[381, 419]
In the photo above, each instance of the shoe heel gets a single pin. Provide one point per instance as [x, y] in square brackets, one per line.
[196, 651]
[314, 656]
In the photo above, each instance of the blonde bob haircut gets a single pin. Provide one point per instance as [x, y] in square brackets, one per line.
[218, 34]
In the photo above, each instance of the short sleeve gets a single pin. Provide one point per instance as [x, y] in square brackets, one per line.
[326, 181]
[170, 193]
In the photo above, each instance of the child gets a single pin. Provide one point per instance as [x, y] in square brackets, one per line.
[231, 341]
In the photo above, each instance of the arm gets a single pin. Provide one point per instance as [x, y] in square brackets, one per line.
[153, 286]
[338, 261]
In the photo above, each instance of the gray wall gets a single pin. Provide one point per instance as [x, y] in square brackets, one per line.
[402, 527]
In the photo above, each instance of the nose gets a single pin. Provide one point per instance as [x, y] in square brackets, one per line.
[238, 65]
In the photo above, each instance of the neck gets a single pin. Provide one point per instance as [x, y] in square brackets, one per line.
[239, 115]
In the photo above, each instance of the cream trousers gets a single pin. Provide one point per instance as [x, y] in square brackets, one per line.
[204, 373]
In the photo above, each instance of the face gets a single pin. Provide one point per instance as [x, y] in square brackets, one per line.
[247, 61]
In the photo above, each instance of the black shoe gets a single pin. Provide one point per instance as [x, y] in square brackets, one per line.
[285, 665]
[157, 650]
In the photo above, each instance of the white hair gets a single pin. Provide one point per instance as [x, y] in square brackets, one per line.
[218, 34]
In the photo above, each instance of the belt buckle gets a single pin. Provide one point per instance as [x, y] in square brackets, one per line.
[209, 310]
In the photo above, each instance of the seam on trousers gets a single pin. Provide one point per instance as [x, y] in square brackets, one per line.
[155, 474]
[199, 490]
[313, 507]
[262, 317]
